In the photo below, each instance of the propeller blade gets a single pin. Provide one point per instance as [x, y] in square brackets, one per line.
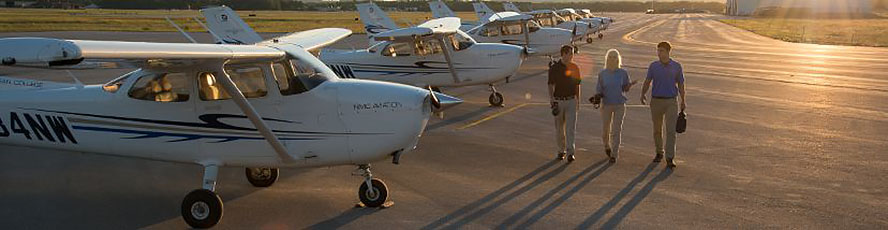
[434, 98]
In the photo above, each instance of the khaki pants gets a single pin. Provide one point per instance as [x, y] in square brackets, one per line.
[664, 110]
[612, 117]
[566, 125]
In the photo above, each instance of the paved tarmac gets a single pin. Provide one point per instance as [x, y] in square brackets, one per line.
[780, 135]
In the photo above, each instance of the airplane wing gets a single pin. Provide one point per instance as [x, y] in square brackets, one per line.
[49, 52]
[312, 39]
[434, 26]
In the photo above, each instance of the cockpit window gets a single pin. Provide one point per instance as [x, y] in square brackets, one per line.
[428, 47]
[532, 26]
[397, 49]
[114, 85]
[295, 77]
[489, 31]
[513, 29]
[462, 41]
[164, 87]
[249, 79]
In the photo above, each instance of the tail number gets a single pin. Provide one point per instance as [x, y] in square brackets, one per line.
[36, 126]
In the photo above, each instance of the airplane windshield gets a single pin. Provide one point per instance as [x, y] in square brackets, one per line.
[461, 41]
[296, 76]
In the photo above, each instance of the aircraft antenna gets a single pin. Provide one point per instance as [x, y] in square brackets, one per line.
[76, 81]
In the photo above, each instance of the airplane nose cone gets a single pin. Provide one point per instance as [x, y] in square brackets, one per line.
[392, 115]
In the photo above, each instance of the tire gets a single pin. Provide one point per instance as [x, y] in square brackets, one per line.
[600, 36]
[261, 177]
[496, 99]
[202, 208]
[589, 40]
[379, 196]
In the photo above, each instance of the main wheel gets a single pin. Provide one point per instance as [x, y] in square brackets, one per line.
[202, 208]
[375, 196]
[496, 99]
[589, 40]
[262, 177]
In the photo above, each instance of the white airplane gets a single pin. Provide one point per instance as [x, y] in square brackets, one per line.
[262, 106]
[581, 30]
[514, 28]
[586, 14]
[431, 55]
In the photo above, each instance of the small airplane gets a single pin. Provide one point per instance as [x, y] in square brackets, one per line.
[581, 30]
[586, 14]
[513, 28]
[431, 55]
[262, 106]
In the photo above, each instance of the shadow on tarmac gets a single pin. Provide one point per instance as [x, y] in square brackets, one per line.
[618, 217]
[467, 209]
[344, 219]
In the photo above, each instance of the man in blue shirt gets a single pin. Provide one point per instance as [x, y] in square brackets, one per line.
[667, 78]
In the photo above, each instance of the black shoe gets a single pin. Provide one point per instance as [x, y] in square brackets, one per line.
[608, 152]
[658, 158]
[571, 158]
[559, 157]
[613, 160]
[670, 163]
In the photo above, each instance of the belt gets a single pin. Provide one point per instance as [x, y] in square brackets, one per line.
[566, 98]
[656, 97]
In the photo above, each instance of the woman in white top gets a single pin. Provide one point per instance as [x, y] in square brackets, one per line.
[613, 83]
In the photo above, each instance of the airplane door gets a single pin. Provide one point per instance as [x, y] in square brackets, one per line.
[315, 133]
[237, 138]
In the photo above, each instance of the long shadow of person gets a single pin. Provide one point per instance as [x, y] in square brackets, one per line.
[473, 208]
[343, 218]
[595, 170]
[617, 198]
[645, 191]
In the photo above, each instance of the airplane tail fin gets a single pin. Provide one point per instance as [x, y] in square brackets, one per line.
[440, 10]
[482, 11]
[509, 6]
[229, 27]
[374, 19]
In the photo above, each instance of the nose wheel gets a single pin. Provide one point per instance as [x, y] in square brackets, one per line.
[600, 36]
[373, 192]
[496, 98]
[262, 177]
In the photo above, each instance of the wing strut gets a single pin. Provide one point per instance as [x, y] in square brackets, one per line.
[448, 58]
[245, 106]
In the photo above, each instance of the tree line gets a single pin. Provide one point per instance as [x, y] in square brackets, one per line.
[409, 5]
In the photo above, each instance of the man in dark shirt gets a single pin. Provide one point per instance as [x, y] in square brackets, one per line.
[564, 96]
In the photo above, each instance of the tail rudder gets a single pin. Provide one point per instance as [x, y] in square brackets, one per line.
[509, 6]
[440, 10]
[482, 11]
[229, 27]
[374, 19]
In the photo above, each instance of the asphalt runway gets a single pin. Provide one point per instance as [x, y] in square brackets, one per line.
[780, 135]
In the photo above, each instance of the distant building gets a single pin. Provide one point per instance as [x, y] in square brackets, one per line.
[846, 7]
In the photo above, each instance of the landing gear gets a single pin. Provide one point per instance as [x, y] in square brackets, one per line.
[496, 98]
[600, 36]
[262, 177]
[202, 208]
[589, 40]
[373, 192]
